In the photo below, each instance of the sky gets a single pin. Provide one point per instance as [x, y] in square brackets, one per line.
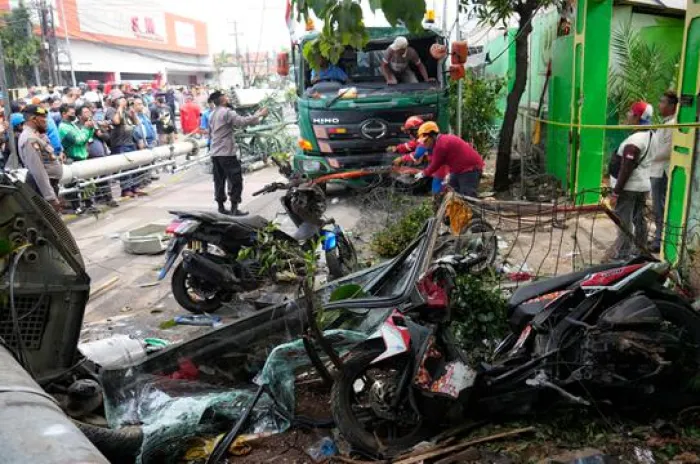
[261, 25]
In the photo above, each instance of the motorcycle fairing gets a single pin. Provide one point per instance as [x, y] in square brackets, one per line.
[396, 337]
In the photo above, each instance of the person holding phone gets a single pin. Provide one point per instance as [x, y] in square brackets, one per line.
[123, 121]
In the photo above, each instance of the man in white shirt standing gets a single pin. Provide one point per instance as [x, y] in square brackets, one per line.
[633, 183]
[660, 157]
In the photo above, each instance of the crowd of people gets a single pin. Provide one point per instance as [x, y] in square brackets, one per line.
[53, 127]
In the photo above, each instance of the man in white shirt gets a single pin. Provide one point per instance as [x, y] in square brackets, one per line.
[633, 184]
[660, 157]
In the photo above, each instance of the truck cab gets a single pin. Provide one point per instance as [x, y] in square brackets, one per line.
[348, 126]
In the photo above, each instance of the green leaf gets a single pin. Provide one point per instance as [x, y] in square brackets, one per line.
[346, 292]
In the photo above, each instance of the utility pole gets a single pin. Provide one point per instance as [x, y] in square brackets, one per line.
[48, 35]
[37, 74]
[70, 54]
[460, 84]
[12, 163]
[239, 61]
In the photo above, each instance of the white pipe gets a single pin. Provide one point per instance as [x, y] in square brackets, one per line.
[111, 164]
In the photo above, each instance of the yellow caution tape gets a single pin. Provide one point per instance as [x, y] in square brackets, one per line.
[572, 125]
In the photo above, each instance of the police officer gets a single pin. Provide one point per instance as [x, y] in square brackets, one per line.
[37, 154]
[227, 167]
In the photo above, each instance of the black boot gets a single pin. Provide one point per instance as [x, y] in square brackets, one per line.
[237, 212]
[222, 209]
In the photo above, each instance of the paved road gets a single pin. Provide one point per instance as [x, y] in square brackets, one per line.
[135, 304]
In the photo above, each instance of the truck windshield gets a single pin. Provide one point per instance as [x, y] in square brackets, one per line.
[363, 69]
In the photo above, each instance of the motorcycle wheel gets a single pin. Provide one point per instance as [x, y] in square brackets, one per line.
[360, 424]
[342, 260]
[188, 297]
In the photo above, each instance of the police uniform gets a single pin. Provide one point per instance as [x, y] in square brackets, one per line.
[37, 154]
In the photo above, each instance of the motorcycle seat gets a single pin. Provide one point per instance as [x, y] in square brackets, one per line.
[543, 287]
[252, 222]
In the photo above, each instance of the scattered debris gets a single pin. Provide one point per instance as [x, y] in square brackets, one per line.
[202, 320]
[323, 449]
[583, 456]
[442, 451]
[644, 456]
[150, 239]
[149, 284]
[115, 351]
[103, 288]
[169, 324]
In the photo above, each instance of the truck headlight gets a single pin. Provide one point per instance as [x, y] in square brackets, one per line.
[310, 166]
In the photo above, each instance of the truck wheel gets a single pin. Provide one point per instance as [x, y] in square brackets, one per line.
[189, 296]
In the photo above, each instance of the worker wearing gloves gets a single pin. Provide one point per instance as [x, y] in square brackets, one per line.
[463, 161]
[410, 127]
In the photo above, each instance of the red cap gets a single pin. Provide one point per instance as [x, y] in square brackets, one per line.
[639, 108]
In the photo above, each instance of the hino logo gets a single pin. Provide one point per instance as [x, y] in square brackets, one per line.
[373, 129]
[326, 121]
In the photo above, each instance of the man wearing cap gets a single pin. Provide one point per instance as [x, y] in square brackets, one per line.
[464, 162]
[226, 165]
[45, 168]
[396, 65]
[632, 185]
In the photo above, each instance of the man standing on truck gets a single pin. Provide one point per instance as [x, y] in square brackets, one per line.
[222, 150]
[396, 65]
[464, 162]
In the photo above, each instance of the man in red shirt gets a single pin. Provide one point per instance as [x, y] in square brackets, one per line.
[464, 162]
[190, 114]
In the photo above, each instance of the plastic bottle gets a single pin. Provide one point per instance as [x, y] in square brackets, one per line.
[323, 449]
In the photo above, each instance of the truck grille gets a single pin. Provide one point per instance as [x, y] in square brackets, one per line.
[365, 132]
[32, 315]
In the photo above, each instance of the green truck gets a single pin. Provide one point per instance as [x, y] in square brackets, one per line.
[345, 127]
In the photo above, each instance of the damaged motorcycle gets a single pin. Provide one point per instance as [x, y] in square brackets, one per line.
[612, 335]
[212, 271]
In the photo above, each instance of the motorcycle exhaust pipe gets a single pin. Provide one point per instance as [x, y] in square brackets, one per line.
[208, 271]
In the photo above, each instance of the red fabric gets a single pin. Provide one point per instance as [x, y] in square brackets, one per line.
[456, 154]
[189, 117]
[408, 147]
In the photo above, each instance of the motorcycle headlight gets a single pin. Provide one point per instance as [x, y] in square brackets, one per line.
[311, 166]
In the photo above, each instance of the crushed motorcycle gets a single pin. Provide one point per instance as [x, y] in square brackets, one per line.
[612, 335]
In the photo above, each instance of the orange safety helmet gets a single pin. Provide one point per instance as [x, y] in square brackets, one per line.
[426, 129]
[414, 122]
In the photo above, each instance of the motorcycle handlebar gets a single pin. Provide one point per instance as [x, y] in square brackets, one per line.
[269, 188]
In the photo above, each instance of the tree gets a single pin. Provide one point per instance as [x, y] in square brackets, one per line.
[644, 69]
[343, 24]
[21, 46]
[493, 12]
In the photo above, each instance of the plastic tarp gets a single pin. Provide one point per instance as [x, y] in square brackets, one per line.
[173, 411]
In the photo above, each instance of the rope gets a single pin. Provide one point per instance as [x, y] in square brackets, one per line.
[612, 127]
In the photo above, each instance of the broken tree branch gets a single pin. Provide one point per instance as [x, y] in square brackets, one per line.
[461, 446]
